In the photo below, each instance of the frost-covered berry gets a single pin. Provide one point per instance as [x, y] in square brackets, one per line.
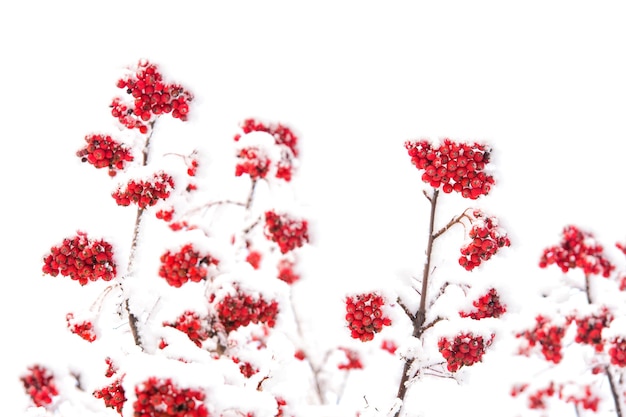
[463, 350]
[102, 151]
[39, 385]
[145, 193]
[365, 316]
[289, 233]
[187, 264]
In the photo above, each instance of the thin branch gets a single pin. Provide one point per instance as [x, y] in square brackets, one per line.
[431, 324]
[427, 196]
[406, 309]
[251, 195]
[451, 223]
[614, 393]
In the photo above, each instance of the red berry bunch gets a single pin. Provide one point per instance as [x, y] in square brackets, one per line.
[284, 139]
[241, 309]
[190, 323]
[252, 161]
[365, 316]
[160, 398]
[464, 350]
[282, 134]
[617, 351]
[254, 259]
[537, 400]
[586, 399]
[353, 360]
[82, 259]
[486, 306]
[486, 238]
[578, 249]
[548, 336]
[453, 166]
[286, 273]
[113, 395]
[111, 367]
[589, 329]
[151, 98]
[165, 215]
[102, 151]
[145, 193]
[185, 265]
[287, 232]
[83, 328]
[390, 346]
[245, 368]
[39, 385]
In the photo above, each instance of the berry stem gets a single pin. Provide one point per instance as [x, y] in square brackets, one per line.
[132, 318]
[420, 317]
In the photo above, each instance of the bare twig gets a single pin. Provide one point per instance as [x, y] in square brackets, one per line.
[451, 223]
[406, 309]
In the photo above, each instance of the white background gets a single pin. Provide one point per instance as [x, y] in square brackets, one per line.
[542, 82]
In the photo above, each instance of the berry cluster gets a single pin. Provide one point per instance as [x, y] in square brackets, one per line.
[390, 346]
[190, 323]
[102, 151]
[284, 139]
[548, 336]
[282, 134]
[165, 215]
[254, 258]
[252, 161]
[578, 249]
[365, 316]
[245, 368]
[242, 309]
[454, 166]
[617, 351]
[464, 350]
[486, 238]
[286, 272]
[185, 265]
[486, 306]
[39, 385]
[113, 395]
[145, 193]
[353, 360]
[287, 232]
[537, 400]
[151, 98]
[81, 259]
[589, 329]
[83, 328]
[586, 399]
[159, 398]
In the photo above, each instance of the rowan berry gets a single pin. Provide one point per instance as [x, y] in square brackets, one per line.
[185, 265]
[464, 350]
[617, 351]
[39, 385]
[286, 272]
[289, 233]
[145, 193]
[353, 360]
[547, 335]
[102, 151]
[453, 166]
[192, 325]
[82, 259]
[252, 161]
[365, 316]
[241, 309]
[113, 395]
[487, 237]
[486, 306]
[83, 328]
[160, 397]
[589, 329]
[578, 249]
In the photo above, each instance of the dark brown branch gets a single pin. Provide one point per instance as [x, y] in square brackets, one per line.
[420, 317]
[451, 223]
[251, 195]
[406, 309]
[614, 392]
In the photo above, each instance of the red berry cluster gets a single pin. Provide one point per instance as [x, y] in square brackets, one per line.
[190, 323]
[548, 336]
[390, 346]
[282, 134]
[454, 166]
[242, 309]
[145, 193]
[283, 138]
[83, 328]
[254, 258]
[464, 350]
[165, 215]
[537, 400]
[486, 238]
[353, 360]
[39, 385]
[252, 161]
[113, 395]
[587, 399]
[287, 232]
[578, 249]
[589, 329]
[102, 151]
[152, 97]
[245, 368]
[286, 273]
[365, 316]
[185, 265]
[486, 306]
[81, 259]
[160, 398]
[617, 351]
